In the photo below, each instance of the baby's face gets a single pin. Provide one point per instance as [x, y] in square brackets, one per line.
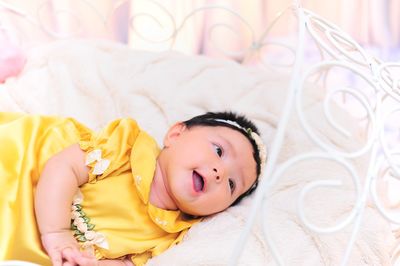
[206, 168]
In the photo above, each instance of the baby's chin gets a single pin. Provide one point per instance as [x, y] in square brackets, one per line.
[199, 214]
[189, 212]
[190, 208]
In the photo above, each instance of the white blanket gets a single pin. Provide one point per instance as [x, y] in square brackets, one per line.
[96, 82]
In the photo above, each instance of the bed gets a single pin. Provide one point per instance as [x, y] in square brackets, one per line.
[322, 197]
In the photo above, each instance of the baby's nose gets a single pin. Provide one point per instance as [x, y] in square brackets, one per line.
[218, 174]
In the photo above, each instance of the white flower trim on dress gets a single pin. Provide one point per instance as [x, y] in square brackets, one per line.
[83, 230]
[101, 164]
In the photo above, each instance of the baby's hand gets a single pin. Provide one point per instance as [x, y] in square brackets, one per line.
[79, 258]
[61, 247]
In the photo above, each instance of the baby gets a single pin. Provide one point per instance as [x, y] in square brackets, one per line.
[70, 196]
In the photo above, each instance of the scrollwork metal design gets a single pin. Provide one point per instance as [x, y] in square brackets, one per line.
[341, 49]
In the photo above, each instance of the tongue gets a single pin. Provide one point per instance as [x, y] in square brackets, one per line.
[198, 182]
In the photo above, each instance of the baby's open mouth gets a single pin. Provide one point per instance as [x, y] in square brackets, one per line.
[198, 182]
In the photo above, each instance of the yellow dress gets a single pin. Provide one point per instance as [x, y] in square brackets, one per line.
[111, 214]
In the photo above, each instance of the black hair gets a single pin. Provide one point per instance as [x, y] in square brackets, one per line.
[212, 119]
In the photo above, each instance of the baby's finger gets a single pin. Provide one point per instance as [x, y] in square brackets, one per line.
[55, 257]
[67, 263]
[88, 254]
[70, 253]
[87, 261]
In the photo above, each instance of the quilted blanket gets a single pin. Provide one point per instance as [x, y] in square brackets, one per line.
[97, 81]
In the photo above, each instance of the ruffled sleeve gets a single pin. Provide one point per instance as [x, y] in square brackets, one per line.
[107, 152]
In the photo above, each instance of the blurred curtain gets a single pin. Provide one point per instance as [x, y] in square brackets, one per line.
[370, 22]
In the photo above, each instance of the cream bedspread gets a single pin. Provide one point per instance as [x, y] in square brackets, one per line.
[96, 82]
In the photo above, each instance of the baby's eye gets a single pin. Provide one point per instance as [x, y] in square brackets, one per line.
[218, 150]
[232, 185]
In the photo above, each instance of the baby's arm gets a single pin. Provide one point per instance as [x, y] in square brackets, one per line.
[58, 183]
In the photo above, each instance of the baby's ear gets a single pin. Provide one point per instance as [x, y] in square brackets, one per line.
[173, 133]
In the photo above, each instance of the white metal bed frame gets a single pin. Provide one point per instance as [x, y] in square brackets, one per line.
[337, 49]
